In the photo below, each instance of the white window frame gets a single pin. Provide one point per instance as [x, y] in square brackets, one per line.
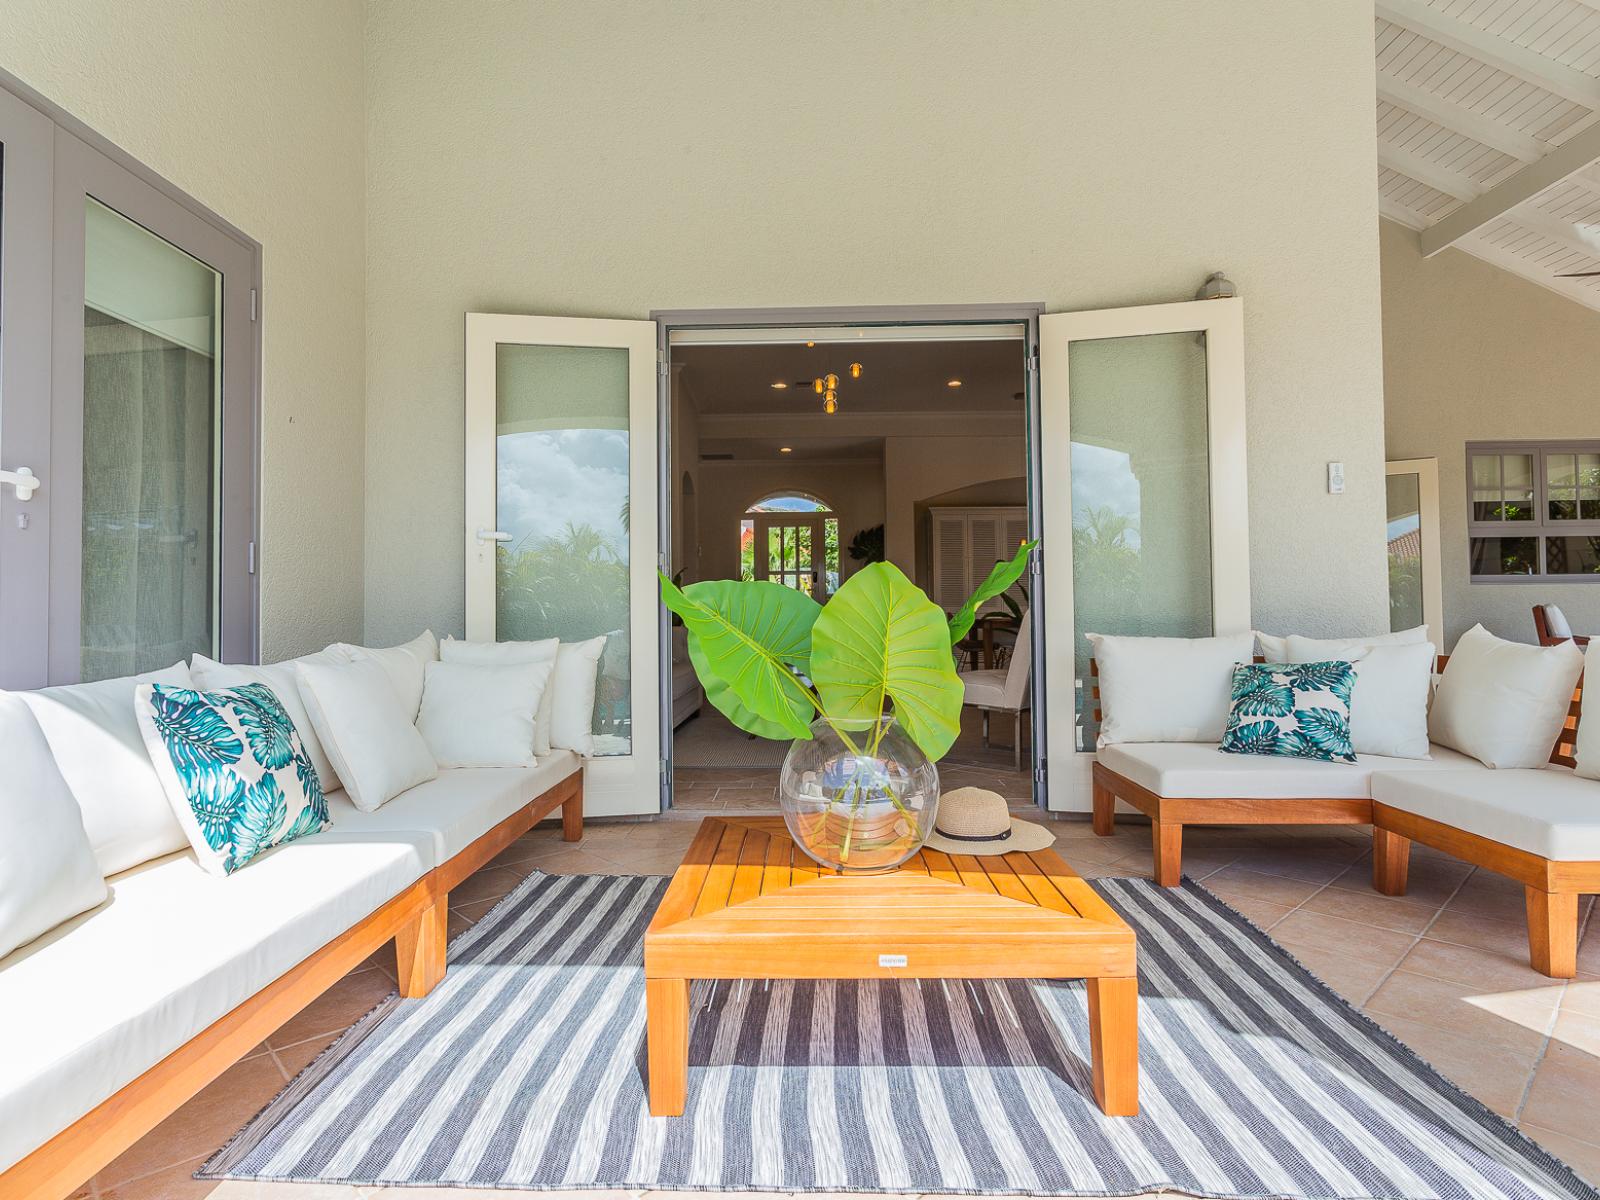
[1427, 472]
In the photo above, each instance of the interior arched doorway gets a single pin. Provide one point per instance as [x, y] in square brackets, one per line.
[791, 537]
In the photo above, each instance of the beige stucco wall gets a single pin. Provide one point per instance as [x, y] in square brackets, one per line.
[608, 159]
[255, 109]
[1473, 353]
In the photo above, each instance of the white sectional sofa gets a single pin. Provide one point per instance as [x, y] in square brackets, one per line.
[116, 1017]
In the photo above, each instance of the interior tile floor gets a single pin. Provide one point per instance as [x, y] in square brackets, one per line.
[1444, 969]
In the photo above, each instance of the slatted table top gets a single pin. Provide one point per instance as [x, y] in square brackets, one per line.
[748, 903]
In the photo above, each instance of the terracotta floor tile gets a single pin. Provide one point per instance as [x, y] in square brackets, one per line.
[1429, 882]
[1582, 1157]
[1589, 948]
[1467, 928]
[1580, 1031]
[1372, 908]
[1316, 863]
[487, 884]
[1240, 881]
[1384, 947]
[1563, 1094]
[1496, 1075]
[1263, 913]
[200, 1126]
[457, 923]
[173, 1183]
[1353, 978]
[300, 1055]
[346, 1001]
[1518, 1021]
[1472, 966]
[1582, 996]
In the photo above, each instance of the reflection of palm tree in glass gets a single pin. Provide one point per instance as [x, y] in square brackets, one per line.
[1105, 570]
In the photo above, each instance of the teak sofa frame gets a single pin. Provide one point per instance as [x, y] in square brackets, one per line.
[415, 919]
[1552, 888]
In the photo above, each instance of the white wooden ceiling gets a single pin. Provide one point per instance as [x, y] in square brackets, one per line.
[1489, 132]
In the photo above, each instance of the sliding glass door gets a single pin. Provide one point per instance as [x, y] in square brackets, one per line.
[129, 395]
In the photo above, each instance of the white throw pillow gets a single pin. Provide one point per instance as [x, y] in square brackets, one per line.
[1276, 649]
[1389, 703]
[1588, 749]
[404, 665]
[212, 676]
[482, 716]
[94, 736]
[498, 654]
[48, 872]
[1156, 689]
[372, 742]
[1504, 702]
[566, 712]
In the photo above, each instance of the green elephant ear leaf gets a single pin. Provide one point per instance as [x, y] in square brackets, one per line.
[881, 638]
[999, 580]
[745, 639]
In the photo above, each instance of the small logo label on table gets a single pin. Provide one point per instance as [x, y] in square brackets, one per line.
[891, 960]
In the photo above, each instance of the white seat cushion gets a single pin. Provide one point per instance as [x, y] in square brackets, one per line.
[1199, 770]
[459, 806]
[97, 1001]
[1548, 811]
[986, 688]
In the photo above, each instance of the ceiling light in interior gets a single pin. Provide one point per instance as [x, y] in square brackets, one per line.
[785, 449]
[953, 383]
[817, 386]
[830, 404]
[780, 385]
[855, 370]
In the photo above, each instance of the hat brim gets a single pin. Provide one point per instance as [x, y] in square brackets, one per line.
[1025, 836]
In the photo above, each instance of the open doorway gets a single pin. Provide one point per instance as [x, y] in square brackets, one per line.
[800, 459]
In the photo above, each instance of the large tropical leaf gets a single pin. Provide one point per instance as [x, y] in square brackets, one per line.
[745, 640]
[880, 638]
[196, 734]
[261, 816]
[1325, 732]
[266, 726]
[215, 797]
[1000, 578]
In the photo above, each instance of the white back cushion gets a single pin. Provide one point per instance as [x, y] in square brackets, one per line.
[1504, 702]
[1588, 751]
[1556, 622]
[482, 716]
[405, 666]
[1389, 703]
[1276, 649]
[566, 711]
[498, 654]
[94, 736]
[1166, 689]
[48, 871]
[375, 748]
[212, 676]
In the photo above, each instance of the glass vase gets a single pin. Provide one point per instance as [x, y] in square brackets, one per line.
[858, 796]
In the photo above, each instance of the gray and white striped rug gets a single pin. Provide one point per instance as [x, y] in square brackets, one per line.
[525, 1069]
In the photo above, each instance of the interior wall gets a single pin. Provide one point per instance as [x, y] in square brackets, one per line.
[1473, 353]
[915, 468]
[256, 110]
[854, 490]
[608, 159]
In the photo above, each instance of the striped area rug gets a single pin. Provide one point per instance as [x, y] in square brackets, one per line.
[525, 1069]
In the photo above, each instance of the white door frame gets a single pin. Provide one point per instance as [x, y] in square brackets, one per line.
[816, 522]
[1427, 472]
[1222, 322]
[614, 785]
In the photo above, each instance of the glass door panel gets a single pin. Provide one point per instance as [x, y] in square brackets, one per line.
[561, 526]
[1416, 588]
[1143, 497]
[792, 553]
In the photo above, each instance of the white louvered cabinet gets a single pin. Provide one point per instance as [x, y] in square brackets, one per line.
[966, 542]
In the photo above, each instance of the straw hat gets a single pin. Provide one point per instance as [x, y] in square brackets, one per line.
[976, 821]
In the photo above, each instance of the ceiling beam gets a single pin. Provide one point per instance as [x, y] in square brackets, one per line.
[1572, 289]
[1499, 52]
[1566, 159]
[1414, 166]
[1567, 234]
[1400, 214]
[1460, 120]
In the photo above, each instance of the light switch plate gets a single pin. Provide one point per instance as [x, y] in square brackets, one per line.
[1336, 479]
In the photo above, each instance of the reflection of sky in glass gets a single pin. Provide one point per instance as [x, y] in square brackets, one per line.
[550, 479]
[788, 504]
[1401, 526]
[1104, 478]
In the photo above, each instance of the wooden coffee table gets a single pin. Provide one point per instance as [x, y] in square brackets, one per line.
[747, 903]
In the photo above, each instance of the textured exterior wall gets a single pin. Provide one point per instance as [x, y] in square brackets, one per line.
[608, 159]
[256, 110]
[1471, 354]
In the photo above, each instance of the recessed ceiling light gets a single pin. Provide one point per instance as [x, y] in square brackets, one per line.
[780, 385]
[785, 449]
[809, 345]
[952, 383]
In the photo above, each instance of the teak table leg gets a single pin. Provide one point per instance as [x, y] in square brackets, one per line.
[667, 1040]
[1114, 1040]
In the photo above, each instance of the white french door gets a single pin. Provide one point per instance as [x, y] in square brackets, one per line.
[1143, 496]
[791, 550]
[1416, 581]
[561, 532]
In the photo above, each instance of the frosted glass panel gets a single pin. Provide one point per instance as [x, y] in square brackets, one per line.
[1405, 551]
[1141, 511]
[561, 492]
[152, 318]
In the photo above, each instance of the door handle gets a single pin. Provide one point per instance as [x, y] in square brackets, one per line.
[24, 480]
[493, 535]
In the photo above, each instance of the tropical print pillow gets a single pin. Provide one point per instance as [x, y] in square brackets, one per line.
[1297, 711]
[234, 770]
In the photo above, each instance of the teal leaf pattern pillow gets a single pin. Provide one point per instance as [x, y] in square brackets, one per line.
[1299, 710]
[234, 769]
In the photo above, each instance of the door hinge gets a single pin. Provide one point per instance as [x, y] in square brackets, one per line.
[1041, 773]
[1033, 364]
[250, 557]
[1034, 567]
[252, 304]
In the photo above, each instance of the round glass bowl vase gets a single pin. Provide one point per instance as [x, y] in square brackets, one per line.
[858, 796]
